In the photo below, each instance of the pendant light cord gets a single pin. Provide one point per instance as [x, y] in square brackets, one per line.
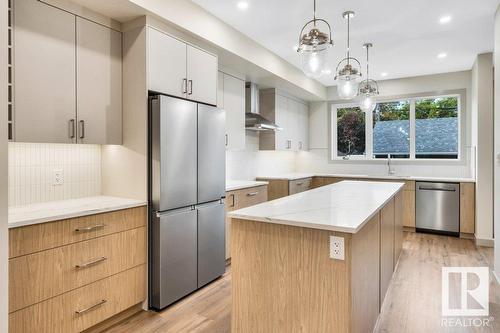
[348, 44]
[367, 64]
[314, 13]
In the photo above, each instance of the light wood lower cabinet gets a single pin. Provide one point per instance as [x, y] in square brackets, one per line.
[279, 188]
[66, 276]
[238, 199]
[409, 208]
[82, 308]
[467, 208]
[398, 226]
[39, 276]
[387, 247]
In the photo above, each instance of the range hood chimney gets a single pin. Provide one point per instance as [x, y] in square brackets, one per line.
[253, 120]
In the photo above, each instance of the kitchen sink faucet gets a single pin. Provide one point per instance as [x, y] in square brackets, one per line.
[390, 169]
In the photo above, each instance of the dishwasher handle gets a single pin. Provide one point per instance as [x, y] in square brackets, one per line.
[423, 188]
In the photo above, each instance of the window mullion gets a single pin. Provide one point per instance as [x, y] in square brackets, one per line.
[412, 129]
[369, 135]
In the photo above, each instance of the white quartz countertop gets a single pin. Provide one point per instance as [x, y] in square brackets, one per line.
[345, 206]
[232, 185]
[57, 210]
[294, 176]
[287, 176]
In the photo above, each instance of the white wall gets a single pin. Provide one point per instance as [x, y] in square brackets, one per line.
[317, 159]
[31, 172]
[496, 63]
[250, 163]
[4, 232]
[482, 137]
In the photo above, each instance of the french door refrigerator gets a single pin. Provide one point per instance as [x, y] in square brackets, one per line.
[186, 192]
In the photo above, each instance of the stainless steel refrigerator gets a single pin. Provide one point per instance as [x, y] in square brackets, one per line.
[186, 191]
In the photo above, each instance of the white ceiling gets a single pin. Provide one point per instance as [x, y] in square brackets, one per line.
[406, 34]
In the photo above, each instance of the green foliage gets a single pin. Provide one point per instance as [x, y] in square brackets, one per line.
[350, 131]
[442, 107]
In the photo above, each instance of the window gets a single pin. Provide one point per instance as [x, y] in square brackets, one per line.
[351, 134]
[436, 127]
[391, 130]
[409, 128]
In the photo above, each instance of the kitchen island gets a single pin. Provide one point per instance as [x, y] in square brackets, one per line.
[290, 275]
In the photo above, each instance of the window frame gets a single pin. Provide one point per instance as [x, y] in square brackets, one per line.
[368, 156]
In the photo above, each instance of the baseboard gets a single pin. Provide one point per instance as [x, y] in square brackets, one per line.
[104, 325]
[409, 229]
[486, 242]
[467, 236]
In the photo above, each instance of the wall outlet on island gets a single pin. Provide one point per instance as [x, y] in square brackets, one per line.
[58, 178]
[337, 247]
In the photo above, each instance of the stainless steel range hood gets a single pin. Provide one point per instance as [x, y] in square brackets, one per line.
[253, 120]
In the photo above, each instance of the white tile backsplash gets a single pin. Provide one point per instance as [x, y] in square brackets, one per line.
[250, 163]
[31, 172]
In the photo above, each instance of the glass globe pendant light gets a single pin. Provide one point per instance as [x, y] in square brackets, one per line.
[347, 75]
[368, 89]
[313, 47]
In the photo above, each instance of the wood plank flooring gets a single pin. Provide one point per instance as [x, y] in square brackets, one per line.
[413, 302]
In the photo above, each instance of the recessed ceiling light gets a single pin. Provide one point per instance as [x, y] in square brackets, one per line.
[442, 55]
[384, 74]
[445, 19]
[242, 5]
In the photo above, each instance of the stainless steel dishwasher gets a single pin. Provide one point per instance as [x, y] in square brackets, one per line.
[438, 208]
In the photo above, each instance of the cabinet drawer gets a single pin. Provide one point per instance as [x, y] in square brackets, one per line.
[95, 303]
[250, 196]
[299, 185]
[39, 276]
[43, 236]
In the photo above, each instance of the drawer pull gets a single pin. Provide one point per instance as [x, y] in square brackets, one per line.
[94, 227]
[91, 263]
[252, 194]
[82, 311]
[298, 184]
[232, 200]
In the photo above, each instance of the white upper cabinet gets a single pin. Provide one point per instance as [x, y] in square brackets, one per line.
[179, 69]
[44, 73]
[291, 115]
[233, 102]
[99, 83]
[166, 64]
[201, 75]
[220, 90]
[67, 77]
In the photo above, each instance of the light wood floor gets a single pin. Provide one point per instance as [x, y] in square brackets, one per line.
[413, 302]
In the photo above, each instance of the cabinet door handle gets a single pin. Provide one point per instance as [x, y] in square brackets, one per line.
[232, 200]
[94, 227]
[300, 145]
[72, 128]
[184, 86]
[101, 302]
[252, 194]
[227, 140]
[190, 84]
[91, 262]
[298, 184]
[82, 129]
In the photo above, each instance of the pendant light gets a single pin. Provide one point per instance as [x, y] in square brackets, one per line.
[313, 47]
[368, 89]
[348, 76]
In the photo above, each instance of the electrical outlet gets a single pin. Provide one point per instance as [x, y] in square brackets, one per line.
[58, 177]
[337, 247]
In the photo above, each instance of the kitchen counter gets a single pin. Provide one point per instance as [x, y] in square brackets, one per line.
[345, 206]
[232, 185]
[58, 210]
[294, 176]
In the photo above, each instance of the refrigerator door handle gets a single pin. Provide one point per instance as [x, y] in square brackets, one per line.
[175, 211]
[211, 203]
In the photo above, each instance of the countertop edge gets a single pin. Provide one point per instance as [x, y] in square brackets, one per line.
[55, 218]
[352, 176]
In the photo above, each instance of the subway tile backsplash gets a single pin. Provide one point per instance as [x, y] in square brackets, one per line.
[33, 168]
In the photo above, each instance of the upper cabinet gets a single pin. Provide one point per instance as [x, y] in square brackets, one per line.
[99, 83]
[178, 69]
[67, 77]
[231, 98]
[291, 115]
[44, 73]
